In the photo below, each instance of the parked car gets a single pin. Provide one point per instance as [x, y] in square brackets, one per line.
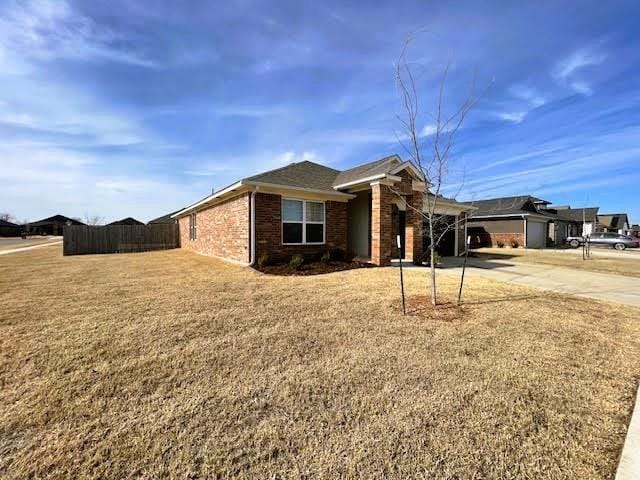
[606, 239]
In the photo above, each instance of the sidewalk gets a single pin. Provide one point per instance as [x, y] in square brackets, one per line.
[600, 286]
[24, 249]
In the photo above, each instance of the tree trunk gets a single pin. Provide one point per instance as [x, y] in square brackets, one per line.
[432, 265]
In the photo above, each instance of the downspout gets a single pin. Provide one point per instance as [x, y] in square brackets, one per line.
[252, 228]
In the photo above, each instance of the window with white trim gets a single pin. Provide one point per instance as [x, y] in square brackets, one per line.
[193, 227]
[303, 222]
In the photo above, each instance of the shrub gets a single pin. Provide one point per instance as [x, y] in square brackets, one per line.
[296, 262]
[349, 255]
[514, 243]
[325, 258]
[264, 260]
[436, 258]
[500, 244]
[336, 254]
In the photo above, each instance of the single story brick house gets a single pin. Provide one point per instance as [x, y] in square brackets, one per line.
[522, 219]
[580, 221]
[306, 208]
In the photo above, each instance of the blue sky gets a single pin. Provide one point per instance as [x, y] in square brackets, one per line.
[135, 108]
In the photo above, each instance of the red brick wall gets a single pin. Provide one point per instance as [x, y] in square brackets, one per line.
[492, 239]
[269, 229]
[487, 233]
[223, 230]
[413, 229]
[382, 241]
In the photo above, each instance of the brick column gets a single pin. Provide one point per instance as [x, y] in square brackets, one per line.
[413, 227]
[381, 225]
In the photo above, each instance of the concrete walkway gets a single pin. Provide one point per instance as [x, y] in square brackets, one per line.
[629, 466]
[628, 254]
[601, 286]
[24, 249]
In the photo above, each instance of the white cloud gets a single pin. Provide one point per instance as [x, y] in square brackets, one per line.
[251, 163]
[252, 111]
[427, 130]
[46, 30]
[582, 58]
[528, 94]
[514, 117]
[292, 157]
[566, 71]
[582, 88]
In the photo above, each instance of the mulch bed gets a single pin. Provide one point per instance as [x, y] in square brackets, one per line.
[420, 305]
[313, 268]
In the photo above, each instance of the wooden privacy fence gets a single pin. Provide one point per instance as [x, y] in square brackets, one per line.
[82, 239]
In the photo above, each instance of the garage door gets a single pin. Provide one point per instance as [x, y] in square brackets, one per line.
[536, 234]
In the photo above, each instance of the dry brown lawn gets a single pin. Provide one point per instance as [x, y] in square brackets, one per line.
[174, 365]
[624, 266]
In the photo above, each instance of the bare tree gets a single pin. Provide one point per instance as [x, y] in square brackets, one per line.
[7, 217]
[92, 219]
[431, 153]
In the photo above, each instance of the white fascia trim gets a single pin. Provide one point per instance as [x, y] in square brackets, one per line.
[453, 205]
[218, 194]
[372, 178]
[246, 183]
[340, 195]
[408, 165]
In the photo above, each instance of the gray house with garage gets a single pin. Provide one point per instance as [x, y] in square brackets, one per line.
[521, 221]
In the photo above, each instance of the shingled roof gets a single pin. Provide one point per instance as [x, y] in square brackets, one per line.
[576, 214]
[4, 223]
[126, 221]
[301, 175]
[507, 206]
[371, 169]
[56, 219]
[310, 176]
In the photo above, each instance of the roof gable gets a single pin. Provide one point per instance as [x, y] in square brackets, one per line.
[126, 221]
[301, 175]
[368, 170]
[578, 214]
[58, 219]
[516, 205]
[613, 220]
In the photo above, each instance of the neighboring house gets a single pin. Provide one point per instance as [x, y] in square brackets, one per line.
[307, 208]
[9, 229]
[52, 225]
[634, 231]
[523, 219]
[126, 221]
[580, 221]
[613, 222]
[164, 219]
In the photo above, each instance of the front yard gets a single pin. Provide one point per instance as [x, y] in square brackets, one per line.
[170, 364]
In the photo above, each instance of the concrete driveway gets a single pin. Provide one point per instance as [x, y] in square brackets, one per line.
[601, 286]
[629, 254]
